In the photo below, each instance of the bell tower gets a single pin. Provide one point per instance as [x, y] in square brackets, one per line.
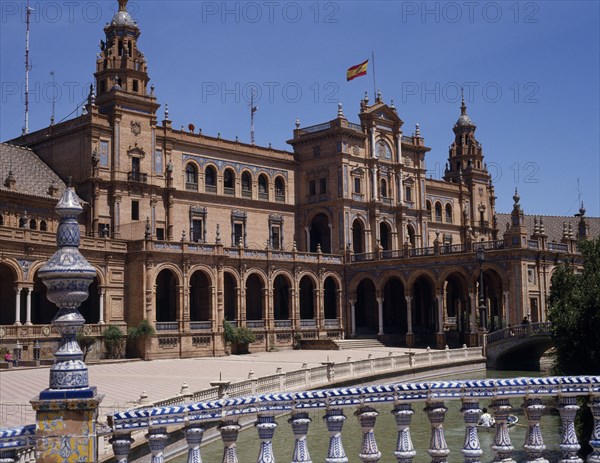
[120, 65]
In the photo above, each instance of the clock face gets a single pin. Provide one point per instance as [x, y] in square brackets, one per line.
[383, 150]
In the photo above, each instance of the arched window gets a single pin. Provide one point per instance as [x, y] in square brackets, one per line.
[191, 177]
[246, 184]
[383, 188]
[438, 212]
[429, 211]
[32, 224]
[383, 150]
[229, 182]
[43, 226]
[263, 187]
[279, 190]
[210, 179]
[1, 220]
[448, 213]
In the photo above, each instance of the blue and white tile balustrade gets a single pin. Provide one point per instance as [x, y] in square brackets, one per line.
[367, 402]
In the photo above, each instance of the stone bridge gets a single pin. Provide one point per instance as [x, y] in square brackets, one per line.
[518, 347]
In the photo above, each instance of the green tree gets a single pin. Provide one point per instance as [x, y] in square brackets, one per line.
[86, 343]
[575, 317]
[113, 341]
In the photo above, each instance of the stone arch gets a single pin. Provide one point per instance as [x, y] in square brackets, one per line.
[229, 180]
[282, 303]
[385, 235]
[166, 297]
[191, 175]
[454, 284]
[42, 310]
[411, 234]
[247, 178]
[358, 235]
[448, 213]
[200, 296]
[394, 306]
[307, 286]
[424, 307]
[429, 210]
[280, 185]
[365, 310]
[320, 232]
[330, 297]
[263, 185]
[210, 176]
[8, 279]
[230, 295]
[438, 211]
[254, 290]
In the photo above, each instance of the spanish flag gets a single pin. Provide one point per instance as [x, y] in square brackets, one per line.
[357, 71]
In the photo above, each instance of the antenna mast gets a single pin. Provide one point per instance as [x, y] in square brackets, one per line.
[253, 109]
[27, 69]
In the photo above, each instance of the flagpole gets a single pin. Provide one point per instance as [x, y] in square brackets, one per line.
[374, 80]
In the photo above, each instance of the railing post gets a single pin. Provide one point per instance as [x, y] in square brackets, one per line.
[266, 429]
[502, 445]
[300, 422]
[594, 405]
[471, 412]
[405, 451]
[534, 442]
[438, 449]
[193, 436]
[229, 433]
[366, 417]
[121, 444]
[157, 440]
[567, 407]
[8, 456]
[334, 419]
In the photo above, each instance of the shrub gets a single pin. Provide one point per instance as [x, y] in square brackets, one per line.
[86, 343]
[113, 341]
[240, 335]
[143, 330]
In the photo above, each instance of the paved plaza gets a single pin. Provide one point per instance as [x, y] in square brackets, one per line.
[123, 382]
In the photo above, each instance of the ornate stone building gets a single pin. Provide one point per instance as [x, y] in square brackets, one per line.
[342, 236]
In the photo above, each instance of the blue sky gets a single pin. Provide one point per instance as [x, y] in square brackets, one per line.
[530, 72]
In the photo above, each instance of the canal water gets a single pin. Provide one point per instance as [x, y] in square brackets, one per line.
[386, 433]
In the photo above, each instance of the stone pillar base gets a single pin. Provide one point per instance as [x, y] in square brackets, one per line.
[473, 340]
[410, 339]
[440, 340]
[66, 429]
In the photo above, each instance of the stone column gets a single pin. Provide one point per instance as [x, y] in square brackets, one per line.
[471, 412]
[300, 422]
[353, 317]
[266, 426]
[410, 338]
[121, 444]
[229, 434]
[368, 451]
[594, 405]
[157, 440]
[438, 449]
[502, 445]
[193, 436]
[18, 289]
[334, 419]
[534, 442]
[101, 308]
[567, 407]
[440, 336]
[28, 308]
[380, 315]
[405, 451]
[506, 308]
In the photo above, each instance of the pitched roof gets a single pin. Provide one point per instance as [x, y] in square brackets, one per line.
[32, 176]
[553, 224]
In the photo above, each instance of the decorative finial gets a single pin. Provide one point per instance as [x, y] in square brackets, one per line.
[392, 105]
[218, 239]
[297, 122]
[166, 111]
[516, 197]
[417, 131]
[536, 229]
[340, 112]
[542, 228]
[123, 5]
[148, 231]
[571, 235]
[378, 96]
[366, 98]
[152, 90]
[183, 236]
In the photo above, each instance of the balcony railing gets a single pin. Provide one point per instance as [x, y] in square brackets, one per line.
[229, 191]
[419, 252]
[201, 326]
[191, 186]
[255, 324]
[210, 188]
[280, 198]
[167, 326]
[263, 195]
[247, 193]
[308, 323]
[137, 177]
[283, 324]
[559, 247]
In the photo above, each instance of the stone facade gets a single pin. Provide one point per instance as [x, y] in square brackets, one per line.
[338, 237]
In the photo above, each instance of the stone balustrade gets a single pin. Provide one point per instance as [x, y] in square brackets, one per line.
[366, 403]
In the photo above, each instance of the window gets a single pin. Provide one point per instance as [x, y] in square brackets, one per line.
[160, 234]
[322, 186]
[312, 188]
[429, 211]
[103, 230]
[246, 185]
[1, 220]
[383, 188]
[210, 179]
[158, 162]
[448, 213]
[408, 194]
[357, 186]
[198, 224]
[32, 224]
[136, 86]
[191, 177]
[103, 154]
[438, 212]
[263, 187]
[279, 189]
[102, 87]
[276, 231]
[229, 182]
[238, 228]
[135, 165]
[43, 225]
[135, 210]
[383, 150]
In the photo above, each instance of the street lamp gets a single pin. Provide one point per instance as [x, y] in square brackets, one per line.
[480, 256]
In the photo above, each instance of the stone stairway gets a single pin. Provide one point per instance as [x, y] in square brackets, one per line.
[358, 343]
